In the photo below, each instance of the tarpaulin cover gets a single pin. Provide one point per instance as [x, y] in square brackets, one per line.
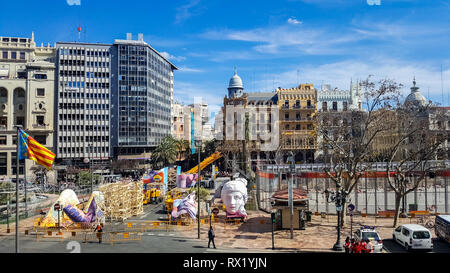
[67, 197]
[78, 216]
[185, 205]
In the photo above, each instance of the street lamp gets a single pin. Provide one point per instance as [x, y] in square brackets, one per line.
[290, 190]
[198, 144]
[339, 198]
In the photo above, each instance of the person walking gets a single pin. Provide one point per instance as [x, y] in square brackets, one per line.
[99, 230]
[353, 245]
[211, 236]
[370, 247]
[347, 245]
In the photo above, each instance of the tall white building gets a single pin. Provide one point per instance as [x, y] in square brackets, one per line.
[339, 100]
[26, 98]
[83, 97]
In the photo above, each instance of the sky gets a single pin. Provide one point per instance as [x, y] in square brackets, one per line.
[272, 43]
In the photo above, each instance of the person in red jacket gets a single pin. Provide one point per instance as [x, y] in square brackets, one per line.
[362, 246]
[353, 245]
[347, 245]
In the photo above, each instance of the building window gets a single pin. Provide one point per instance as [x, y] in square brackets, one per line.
[41, 139]
[324, 106]
[3, 163]
[13, 55]
[334, 105]
[40, 120]
[2, 140]
[40, 76]
[40, 91]
[22, 55]
[3, 121]
[20, 121]
[5, 55]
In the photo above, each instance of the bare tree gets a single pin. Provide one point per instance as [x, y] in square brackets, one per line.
[348, 140]
[414, 144]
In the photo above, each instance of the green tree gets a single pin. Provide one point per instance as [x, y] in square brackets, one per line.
[204, 193]
[165, 153]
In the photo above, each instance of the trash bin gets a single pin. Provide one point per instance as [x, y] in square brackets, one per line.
[308, 216]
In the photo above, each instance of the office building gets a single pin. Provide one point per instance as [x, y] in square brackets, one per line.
[142, 81]
[83, 103]
[26, 98]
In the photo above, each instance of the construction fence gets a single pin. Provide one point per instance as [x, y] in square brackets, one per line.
[371, 195]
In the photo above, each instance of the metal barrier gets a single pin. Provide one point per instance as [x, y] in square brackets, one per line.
[124, 237]
[157, 225]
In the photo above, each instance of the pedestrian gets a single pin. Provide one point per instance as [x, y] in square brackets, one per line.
[347, 245]
[211, 236]
[363, 246]
[353, 245]
[370, 247]
[99, 230]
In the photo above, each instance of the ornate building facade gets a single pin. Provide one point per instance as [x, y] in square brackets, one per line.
[26, 98]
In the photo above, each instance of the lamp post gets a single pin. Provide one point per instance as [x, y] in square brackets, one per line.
[290, 190]
[90, 166]
[339, 199]
[17, 186]
[198, 144]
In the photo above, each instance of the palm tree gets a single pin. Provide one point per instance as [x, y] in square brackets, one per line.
[183, 149]
[165, 153]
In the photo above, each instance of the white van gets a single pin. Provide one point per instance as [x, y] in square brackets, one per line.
[413, 236]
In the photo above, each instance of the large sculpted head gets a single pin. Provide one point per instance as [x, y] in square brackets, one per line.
[234, 196]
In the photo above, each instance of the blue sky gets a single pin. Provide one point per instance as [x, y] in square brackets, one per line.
[272, 43]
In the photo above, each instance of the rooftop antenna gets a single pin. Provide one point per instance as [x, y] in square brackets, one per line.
[79, 32]
[442, 86]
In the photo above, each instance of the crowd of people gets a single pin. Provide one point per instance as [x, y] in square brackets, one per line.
[362, 246]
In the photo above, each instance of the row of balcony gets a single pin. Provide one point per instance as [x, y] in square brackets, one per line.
[298, 119]
[297, 106]
[37, 126]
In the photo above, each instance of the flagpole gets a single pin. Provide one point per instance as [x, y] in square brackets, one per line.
[17, 187]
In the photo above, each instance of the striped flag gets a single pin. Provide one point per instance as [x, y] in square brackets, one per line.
[31, 149]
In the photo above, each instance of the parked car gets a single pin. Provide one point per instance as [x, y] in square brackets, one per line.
[370, 233]
[413, 236]
[442, 227]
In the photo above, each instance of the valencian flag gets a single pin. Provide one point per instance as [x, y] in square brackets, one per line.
[31, 149]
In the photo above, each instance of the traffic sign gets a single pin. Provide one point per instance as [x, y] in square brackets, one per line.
[339, 208]
[215, 211]
[57, 206]
[351, 207]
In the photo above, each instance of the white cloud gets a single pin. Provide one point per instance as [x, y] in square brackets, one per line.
[338, 74]
[73, 2]
[189, 69]
[186, 11]
[171, 57]
[294, 21]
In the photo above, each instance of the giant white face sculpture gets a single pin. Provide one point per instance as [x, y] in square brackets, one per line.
[234, 197]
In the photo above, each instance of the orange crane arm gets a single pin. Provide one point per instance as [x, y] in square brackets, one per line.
[207, 161]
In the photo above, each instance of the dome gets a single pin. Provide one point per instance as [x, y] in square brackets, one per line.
[235, 81]
[415, 98]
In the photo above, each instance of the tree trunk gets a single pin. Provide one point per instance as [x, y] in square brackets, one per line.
[398, 198]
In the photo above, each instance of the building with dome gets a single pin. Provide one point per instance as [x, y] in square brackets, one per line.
[258, 108]
[415, 98]
[235, 87]
[415, 121]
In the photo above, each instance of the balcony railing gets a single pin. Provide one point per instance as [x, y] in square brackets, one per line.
[298, 119]
[40, 126]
